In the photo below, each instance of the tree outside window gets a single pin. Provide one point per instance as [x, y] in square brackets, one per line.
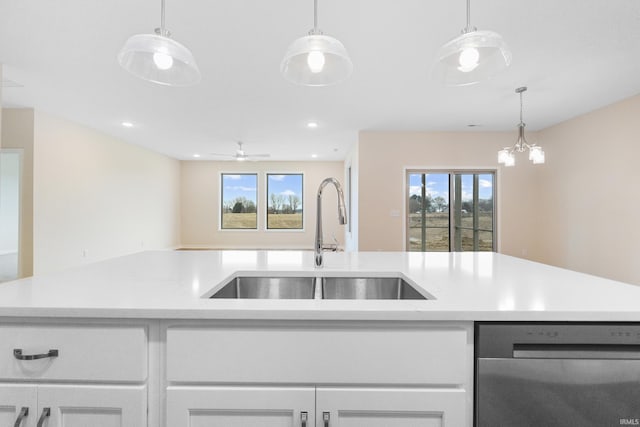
[239, 201]
[285, 202]
[451, 211]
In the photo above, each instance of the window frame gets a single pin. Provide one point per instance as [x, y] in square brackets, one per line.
[221, 202]
[268, 201]
[452, 173]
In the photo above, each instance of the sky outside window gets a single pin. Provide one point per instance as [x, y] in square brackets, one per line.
[241, 185]
[438, 185]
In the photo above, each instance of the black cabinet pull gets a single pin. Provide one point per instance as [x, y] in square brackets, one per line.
[304, 416]
[17, 353]
[21, 416]
[46, 412]
[325, 418]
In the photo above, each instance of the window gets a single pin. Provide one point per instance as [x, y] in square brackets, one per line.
[450, 211]
[285, 202]
[239, 201]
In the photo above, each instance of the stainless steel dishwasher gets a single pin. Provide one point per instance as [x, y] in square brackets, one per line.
[562, 374]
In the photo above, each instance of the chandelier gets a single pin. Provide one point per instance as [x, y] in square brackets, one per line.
[506, 155]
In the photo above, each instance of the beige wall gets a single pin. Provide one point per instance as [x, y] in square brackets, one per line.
[578, 211]
[589, 204]
[96, 197]
[384, 158]
[200, 204]
[17, 133]
[1, 66]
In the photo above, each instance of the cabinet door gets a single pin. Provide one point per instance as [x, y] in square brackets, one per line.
[391, 408]
[240, 407]
[13, 398]
[95, 406]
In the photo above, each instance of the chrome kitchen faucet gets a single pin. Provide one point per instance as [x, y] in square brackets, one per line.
[342, 216]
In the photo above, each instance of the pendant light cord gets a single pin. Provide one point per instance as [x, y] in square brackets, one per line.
[522, 141]
[468, 27]
[315, 16]
[163, 31]
[520, 107]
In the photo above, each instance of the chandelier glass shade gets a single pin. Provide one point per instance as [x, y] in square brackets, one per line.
[158, 58]
[471, 57]
[506, 156]
[316, 59]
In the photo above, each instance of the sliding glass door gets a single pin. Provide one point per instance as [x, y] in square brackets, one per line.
[450, 211]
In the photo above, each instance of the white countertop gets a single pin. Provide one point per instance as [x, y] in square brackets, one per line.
[466, 286]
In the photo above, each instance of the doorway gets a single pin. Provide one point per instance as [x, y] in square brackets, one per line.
[10, 176]
[450, 211]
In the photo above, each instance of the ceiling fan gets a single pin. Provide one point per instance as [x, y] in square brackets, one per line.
[240, 154]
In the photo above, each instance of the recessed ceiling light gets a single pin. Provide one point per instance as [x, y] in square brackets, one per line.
[127, 124]
[312, 125]
[315, 156]
[196, 155]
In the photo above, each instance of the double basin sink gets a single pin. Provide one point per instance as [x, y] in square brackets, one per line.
[316, 287]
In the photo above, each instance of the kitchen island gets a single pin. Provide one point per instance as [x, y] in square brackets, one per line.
[136, 341]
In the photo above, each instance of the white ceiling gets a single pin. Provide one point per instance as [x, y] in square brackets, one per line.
[574, 55]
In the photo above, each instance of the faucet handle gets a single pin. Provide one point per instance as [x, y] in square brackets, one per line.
[318, 259]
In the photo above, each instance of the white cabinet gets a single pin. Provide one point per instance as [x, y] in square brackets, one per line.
[319, 353]
[308, 407]
[95, 406]
[240, 406]
[340, 374]
[18, 404]
[362, 407]
[223, 373]
[72, 406]
[73, 375]
[73, 352]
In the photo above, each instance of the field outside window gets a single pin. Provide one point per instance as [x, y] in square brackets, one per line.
[239, 201]
[450, 211]
[285, 202]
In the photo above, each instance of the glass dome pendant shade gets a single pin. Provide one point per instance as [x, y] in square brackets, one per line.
[316, 59]
[472, 57]
[159, 59]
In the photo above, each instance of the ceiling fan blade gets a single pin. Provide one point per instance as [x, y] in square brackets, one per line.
[258, 155]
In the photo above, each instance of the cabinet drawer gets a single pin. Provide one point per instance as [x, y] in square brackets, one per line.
[85, 353]
[319, 355]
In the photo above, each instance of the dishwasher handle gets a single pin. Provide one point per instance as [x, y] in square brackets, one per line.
[576, 351]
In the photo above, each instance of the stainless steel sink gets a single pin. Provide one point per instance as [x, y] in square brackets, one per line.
[368, 288]
[319, 287]
[268, 288]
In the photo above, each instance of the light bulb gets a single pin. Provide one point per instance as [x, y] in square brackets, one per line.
[503, 155]
[468, 59]
[315, 61]
[510, 161]
[536, 155]
[162, 60]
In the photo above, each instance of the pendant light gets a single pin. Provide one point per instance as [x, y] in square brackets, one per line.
[506, 155]
[316, 59]
[471, 57]
[158, 58]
